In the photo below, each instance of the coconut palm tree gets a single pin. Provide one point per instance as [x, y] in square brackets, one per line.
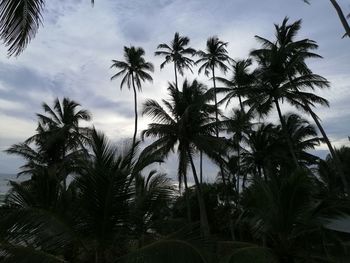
[285, 40]
[262, 151]
[239, 83]
[294, 228]
[214, 56]
[134, 70]
[283, 75]
[59, 140]
[239, 126]
[177, 52]
[303, 137]
[185, 122]
[93, 220]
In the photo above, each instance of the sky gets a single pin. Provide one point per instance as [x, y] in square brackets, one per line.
[71, 57]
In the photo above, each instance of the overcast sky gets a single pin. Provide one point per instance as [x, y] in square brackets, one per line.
[71, 56]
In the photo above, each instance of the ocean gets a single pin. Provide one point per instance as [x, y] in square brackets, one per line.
[4, 184]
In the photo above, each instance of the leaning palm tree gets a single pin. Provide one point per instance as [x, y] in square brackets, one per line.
[186, 122]
[296, 51]
[177, 53]
[214, 56]
[283, 74]
[134, 70]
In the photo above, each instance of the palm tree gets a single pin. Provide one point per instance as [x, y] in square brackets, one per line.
[303, 137]
[239, 125]
[239, 83]
[262, 151]
[215, 56]
[134, 70]
[283, 75]
[285, 34]
[186, 122]
[293, 228]
[153, 195]
[177, 53]
[59, 140]
[93, 220]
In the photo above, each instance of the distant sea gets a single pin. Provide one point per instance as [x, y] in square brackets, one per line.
[4, 182]
[5, 185]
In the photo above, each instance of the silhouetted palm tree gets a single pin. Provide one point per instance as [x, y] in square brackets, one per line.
[239, 83]
[59, 140]
[303, 137]
[134, 70]
[286, 216]
[186, 122]
[91, 221]
[239, 126]
[177, 53]
[283, 75]
[262, 150]
[214, 56]
[296, 51]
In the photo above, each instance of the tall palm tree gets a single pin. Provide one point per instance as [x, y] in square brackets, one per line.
[185, 122]
[134, 70]
[239, 83]
[285, 40]
[283, 75]
[214, 56]
[177, 52]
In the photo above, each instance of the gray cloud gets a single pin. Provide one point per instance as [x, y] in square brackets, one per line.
[72, 53]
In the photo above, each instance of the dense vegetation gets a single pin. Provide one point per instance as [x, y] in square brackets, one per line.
[273, 200]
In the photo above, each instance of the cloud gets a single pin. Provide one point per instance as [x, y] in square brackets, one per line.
[71, 56]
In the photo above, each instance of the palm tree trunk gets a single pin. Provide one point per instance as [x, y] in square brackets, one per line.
[202, 210]
[238, 168]
[177, 88]
[201, 167]
[241, 103]
[287, 137]
[216, 104]
[331, 149]
[187, 198]
[342, 17]
[217, 130]
[136, 115]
